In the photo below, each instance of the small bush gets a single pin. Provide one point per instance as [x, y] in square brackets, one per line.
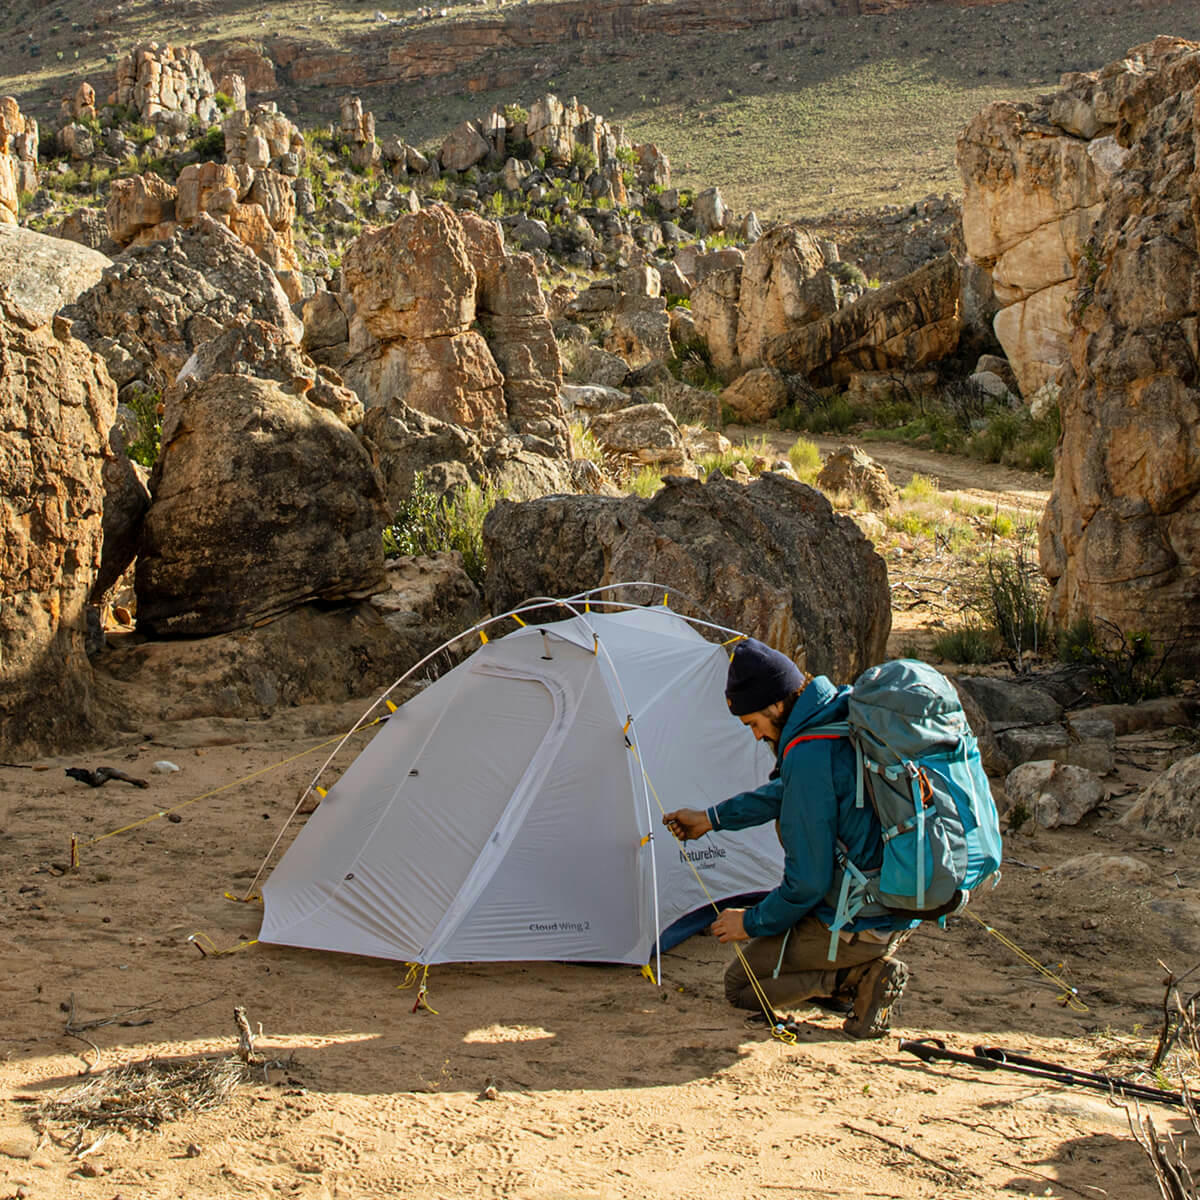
[224, 102]
[425, 525]
[212, 143]
[805, 459]
[147, 407]
[920, 487]
[584, 444]
[583, 157]
[515, 114]
[973, 642]
[646, 482]
[1126, 666]
[1013, 601]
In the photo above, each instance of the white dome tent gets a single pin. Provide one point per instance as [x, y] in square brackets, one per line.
[512, 809]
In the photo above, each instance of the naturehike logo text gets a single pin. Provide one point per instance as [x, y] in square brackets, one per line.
[701, 858]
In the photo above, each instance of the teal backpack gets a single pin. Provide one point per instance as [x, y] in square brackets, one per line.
[919, 764]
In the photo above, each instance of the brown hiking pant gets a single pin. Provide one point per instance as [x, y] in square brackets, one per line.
[794, 966]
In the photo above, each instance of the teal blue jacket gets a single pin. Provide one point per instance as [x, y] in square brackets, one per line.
[812, 797]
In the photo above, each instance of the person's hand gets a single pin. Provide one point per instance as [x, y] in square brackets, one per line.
[730, 926]
[687, 824]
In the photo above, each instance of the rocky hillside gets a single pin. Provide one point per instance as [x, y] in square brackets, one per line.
[793, 108]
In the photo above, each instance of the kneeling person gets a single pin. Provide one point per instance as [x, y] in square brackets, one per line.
[811, 798]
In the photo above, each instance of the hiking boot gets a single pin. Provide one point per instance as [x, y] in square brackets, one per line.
[878, 990]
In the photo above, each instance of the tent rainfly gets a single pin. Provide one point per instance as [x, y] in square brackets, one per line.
[512, 809]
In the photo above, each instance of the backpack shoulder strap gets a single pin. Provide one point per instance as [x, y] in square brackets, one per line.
[818, 733]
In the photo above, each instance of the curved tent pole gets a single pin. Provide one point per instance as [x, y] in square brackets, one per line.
[531, 604]
[361, 723]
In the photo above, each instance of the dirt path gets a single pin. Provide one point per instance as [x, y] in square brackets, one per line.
[987, 483]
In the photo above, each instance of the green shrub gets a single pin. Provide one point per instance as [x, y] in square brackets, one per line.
[1126, 666]
[583, 157]
[805, 459]
[425, 525]
[141, 132]
[1013, 601]
[645, 483]
[514, 114]
[584, 444]
[211, 144]
[145, 447]
[224, 102]
[920, 487]
[972, 642]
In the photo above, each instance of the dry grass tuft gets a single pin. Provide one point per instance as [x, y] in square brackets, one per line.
[142, 1095]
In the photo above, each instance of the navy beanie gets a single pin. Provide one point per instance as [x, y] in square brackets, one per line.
[758, 677]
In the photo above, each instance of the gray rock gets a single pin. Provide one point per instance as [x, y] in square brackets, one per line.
[1054, 793]
[1170, 806]
[1027, 744]
[1104, 869]
[646, 433]
[44, 274]
[771, 559]
[590, 399]
[1012, 702]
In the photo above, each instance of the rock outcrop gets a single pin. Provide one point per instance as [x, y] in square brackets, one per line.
[444, 322]
[771, 559]
[18, 158]
[158, 80]
[900, 327]
[57, 405]
[158, 303]
[262, 502]
[1036, 179]
[1119, 537]
[258, 205]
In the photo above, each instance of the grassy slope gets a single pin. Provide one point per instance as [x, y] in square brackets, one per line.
[862, 112]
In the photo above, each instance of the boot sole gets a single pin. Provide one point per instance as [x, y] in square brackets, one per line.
[889, 989]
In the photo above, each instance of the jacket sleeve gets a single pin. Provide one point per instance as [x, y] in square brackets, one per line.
[748, 808]
[808, 828]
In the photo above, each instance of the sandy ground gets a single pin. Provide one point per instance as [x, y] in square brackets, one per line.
[606, 1086]
[602, 1084]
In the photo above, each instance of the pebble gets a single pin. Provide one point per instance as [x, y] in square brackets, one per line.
[163, 767]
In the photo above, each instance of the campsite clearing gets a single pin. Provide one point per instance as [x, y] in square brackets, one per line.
[604, 1085]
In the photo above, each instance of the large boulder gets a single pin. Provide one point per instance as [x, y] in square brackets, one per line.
[851, 470]
[642, 434]
[756, 396]
[780, 289]
[139, 206]
[901, 327]
[262, 502]
[1054, 793]
[771, 559]
[1119, 536]
[265, 351]
[1170, 806]
[715, 312]
[44, 274]
[57, 405]
[162, 301]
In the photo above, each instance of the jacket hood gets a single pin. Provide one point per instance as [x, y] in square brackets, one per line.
[820, 703]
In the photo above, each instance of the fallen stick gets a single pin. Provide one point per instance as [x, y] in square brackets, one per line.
[1050, 1179]
[932, 1162]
